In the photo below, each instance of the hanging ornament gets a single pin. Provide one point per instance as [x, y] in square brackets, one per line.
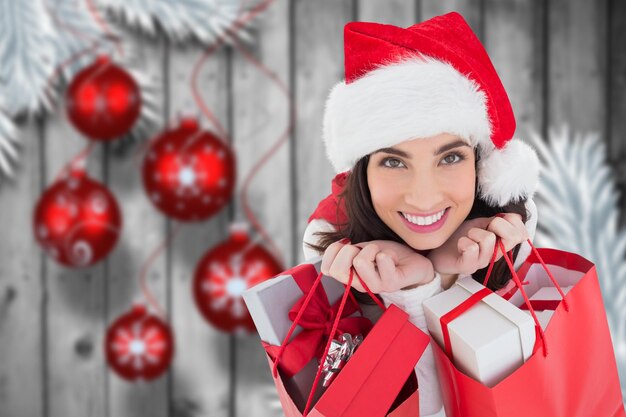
[77, 220]
[188, 173]
[139, 345]
[103, 100]
[224, 273]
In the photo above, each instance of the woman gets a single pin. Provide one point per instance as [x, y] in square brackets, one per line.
[420, 133]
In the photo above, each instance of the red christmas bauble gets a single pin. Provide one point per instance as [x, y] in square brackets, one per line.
[224, 273]
[188, 173]
[103, 101]
[139, 345]
[77, 220]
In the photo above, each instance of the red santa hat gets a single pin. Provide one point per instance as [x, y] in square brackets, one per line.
[433, 77]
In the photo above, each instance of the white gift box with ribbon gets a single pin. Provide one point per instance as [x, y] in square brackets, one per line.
[490, 340]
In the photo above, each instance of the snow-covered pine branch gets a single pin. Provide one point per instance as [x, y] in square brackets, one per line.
[26, 56]
[204, 20]
[8, 143]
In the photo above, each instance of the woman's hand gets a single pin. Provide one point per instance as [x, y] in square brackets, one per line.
[384, 265]
[471, 247]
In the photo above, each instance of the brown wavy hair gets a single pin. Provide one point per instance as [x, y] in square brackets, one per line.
[364, 225]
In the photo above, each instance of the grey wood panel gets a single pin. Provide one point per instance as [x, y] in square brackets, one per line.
[201, 377]
[22, 341]
[401, 13]
[577, 65]
[260, 118]
[514, 41]
[75, 316]
[318, 42]
[143, 231]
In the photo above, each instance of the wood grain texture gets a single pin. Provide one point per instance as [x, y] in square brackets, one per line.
[514, 42]
[22, 293]
[401, 13]
[76, 375]
[260, 118]
[577, 68]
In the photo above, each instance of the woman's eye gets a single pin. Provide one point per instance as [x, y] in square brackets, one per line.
[450, 159]
[392, 163]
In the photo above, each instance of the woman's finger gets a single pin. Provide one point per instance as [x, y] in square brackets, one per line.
[365, 265]
[340, 268]
[516, 220]
[329, 255]
[509, 233]
[387, 270]
[487, 242]
[469, 251]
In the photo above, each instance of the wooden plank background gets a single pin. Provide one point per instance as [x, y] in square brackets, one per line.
[561, 61]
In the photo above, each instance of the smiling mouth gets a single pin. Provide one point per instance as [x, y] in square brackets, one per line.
[428, 224]
[424, 220]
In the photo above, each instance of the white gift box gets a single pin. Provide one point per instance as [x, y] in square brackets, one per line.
[490, 340]
[269, 304]
[545, 294]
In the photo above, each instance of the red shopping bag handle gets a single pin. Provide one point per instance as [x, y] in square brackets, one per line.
[512, 268]
[308, 298]
[520, 285]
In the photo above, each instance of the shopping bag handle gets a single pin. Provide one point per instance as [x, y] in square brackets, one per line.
[512, 268]
[520, 286]
[509, 260]
[295, 322]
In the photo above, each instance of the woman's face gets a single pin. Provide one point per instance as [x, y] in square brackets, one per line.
[420, 179]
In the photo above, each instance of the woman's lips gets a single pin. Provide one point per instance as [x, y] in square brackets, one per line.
[425, 229]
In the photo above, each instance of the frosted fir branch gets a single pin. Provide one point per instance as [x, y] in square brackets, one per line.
[204, 20]
[26, 58]
[8, 144]
[37, 40]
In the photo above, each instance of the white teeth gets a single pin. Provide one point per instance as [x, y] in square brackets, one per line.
[424, 221]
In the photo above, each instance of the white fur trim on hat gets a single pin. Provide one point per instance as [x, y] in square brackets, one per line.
[508, 174]
[416, 97]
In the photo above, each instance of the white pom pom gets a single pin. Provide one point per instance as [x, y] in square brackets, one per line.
[508, 175]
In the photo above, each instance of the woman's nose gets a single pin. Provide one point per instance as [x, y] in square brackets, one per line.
[423, 192]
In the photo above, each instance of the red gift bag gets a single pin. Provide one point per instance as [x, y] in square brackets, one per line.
[378, 380]
[572, 371]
